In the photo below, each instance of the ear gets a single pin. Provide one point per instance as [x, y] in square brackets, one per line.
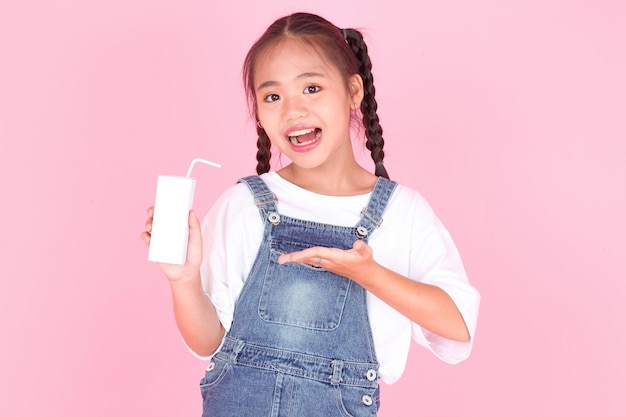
[355, 84]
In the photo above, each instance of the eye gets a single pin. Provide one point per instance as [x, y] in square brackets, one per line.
[312, 89]
[271, 98]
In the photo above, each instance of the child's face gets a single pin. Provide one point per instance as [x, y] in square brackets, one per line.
[304, 105]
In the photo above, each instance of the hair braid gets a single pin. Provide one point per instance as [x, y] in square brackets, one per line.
[264, 152]
[369, 106]
[345, 48]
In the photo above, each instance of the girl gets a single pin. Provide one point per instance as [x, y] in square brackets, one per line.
[304, 286]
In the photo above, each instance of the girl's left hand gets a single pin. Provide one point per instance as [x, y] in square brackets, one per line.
[352, 263]
[425, 304]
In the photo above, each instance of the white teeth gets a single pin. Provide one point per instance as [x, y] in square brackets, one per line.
[300, 132]
[293, 137]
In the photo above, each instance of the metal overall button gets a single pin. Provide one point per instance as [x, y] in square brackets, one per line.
[210, 367]
[361, 232]
[371, 375]
[367, 400]
[273, 218]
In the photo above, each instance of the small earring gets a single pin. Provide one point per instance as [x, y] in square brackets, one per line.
[258, 123]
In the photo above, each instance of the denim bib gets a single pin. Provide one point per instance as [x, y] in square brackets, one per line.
[300, 343]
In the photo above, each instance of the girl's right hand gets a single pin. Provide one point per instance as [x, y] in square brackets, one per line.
[190, 271]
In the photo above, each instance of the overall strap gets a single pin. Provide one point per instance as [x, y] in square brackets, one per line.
[264, 198]
[372, 215]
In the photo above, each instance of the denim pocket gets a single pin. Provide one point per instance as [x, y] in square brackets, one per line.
[302, 295]
[214, 373]
[357, 401]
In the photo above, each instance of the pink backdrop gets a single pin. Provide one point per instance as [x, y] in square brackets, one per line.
[508, 116]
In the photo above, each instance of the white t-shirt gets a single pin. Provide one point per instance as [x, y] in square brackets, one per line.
[410, 241]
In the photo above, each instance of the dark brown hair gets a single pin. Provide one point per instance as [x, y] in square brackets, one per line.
[346, 49]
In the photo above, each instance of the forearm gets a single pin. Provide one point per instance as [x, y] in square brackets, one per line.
[196, 317]
[427, 305]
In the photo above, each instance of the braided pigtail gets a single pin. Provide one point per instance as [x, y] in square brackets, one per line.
[345, 48]
[264, 152]
[373, 130]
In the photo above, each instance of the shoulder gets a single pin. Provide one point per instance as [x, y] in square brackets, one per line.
[235, 206]
[235, 198]
[407, 202]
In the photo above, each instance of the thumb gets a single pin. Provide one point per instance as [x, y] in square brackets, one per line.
[359, 246]
[193, 219]
[194, 226]
[363, 250]
[194, 248]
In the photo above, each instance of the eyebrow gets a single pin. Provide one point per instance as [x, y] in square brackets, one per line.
[269, 84]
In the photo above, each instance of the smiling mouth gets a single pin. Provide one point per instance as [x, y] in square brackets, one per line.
[305, 136]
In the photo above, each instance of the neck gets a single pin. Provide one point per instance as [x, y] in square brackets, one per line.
[347, 180]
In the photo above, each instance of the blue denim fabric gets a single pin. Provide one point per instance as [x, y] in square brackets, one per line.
[300, 342]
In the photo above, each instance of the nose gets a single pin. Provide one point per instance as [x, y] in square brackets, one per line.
[294, 108]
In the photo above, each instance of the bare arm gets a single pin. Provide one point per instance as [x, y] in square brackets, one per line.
[427, 305]
[195, 315]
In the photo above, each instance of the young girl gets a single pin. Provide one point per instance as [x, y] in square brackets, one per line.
[304, 286]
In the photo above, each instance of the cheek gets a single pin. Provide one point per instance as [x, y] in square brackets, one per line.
[341, 111]
[276, 138]
[265, 116]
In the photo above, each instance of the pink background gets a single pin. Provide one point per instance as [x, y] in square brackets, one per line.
[509, 116]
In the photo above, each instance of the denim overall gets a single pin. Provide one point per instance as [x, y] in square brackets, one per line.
[300, 344]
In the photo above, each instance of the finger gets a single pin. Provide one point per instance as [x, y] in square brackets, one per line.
[299, 256]
[309, 256]
[151, 211]
[194, 252]
[284, 258]
[193, 220]
[145, 236]
[290, 258]
[361, 247]
[195, 234]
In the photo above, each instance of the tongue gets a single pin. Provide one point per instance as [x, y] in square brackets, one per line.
[306, 137]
